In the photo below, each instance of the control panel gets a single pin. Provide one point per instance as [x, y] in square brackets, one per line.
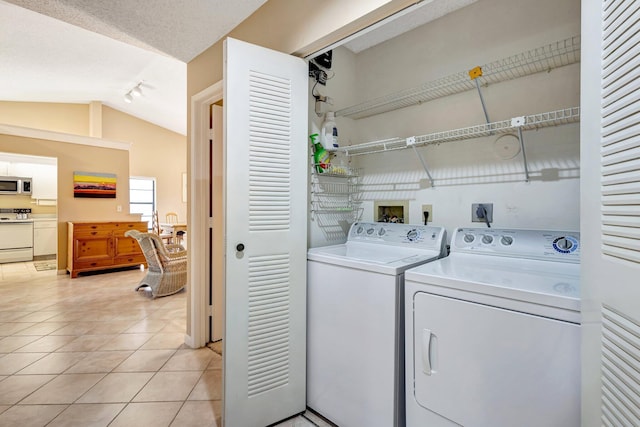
[534, 244]
[402, 234]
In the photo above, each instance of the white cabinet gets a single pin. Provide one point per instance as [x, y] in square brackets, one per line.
[44, 177]
[45, 182]
[45, 237]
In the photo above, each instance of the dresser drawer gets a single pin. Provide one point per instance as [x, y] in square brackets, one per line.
[88, 264]
[92, 228]
[134, 259]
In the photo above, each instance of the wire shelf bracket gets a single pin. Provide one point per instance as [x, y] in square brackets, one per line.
[518, 122]
[411, 141]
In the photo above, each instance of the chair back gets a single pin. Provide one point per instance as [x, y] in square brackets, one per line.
[171, 218]
[153, 249]
[155, 224]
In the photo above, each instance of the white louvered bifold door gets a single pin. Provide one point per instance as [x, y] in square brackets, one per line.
[610, 212]
[265, 104]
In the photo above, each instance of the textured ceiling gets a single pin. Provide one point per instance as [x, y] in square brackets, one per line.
[181, 29]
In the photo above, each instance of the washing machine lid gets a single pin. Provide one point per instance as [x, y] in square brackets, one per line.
[391, 260]
[387, 248]
[547, 283]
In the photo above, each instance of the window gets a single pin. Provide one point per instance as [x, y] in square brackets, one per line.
[142, 198]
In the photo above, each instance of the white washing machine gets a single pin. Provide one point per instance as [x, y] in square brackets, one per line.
[355, 331]
[493, 333]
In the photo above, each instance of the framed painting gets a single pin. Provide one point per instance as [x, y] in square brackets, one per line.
[94, 185]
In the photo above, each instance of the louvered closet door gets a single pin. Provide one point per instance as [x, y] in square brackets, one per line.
[265, 104]
[610, 212]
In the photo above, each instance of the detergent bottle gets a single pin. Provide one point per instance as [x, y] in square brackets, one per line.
[321, 157]
[329, 132]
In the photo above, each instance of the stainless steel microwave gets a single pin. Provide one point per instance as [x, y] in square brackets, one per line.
[15, 185]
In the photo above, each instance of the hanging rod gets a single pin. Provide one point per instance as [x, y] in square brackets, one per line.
[544, 58]
[533, 121]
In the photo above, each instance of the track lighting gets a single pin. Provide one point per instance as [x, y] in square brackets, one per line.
[136, 91]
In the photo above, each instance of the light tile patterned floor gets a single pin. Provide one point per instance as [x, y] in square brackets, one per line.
[92, 352]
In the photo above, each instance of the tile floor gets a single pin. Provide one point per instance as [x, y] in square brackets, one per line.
[92, 352]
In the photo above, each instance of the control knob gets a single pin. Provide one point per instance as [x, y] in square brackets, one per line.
[564, 243]
[506, 240]
[469, 238]
[370, 231]
[382, 232]
[412, 235]
[487, 239]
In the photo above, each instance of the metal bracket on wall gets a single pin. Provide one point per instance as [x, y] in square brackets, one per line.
[475, 74]
[519, 122]
[411, 142]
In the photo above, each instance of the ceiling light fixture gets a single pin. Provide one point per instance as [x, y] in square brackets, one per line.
[136, 91]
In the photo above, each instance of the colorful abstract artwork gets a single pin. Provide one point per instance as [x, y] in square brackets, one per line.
[94, 185]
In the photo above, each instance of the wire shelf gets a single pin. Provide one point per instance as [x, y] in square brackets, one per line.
[544, 58]
[533, 121]
[336, 171]
[334, 188]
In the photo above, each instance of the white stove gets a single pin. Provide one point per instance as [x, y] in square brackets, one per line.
[492, 331]
[16, 235]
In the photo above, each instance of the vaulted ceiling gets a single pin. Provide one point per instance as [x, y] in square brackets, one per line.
[78, 51]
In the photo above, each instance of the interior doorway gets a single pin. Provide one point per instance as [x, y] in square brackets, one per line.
[36, 205]
[206, 263]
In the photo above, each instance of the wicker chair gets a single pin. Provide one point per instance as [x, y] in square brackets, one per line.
[167, 273]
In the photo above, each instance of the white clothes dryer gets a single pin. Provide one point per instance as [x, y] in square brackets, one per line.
[355, 331]
[493, 332]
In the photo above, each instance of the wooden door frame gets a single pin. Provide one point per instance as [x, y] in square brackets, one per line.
[198, 248]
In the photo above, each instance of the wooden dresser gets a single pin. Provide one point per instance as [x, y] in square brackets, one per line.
[102, 245]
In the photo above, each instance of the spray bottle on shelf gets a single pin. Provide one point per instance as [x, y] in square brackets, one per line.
[321, 157]
[329, 132]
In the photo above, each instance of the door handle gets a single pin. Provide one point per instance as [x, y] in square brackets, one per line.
[240, 247]
[428, 347]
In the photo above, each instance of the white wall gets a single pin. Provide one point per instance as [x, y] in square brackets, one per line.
[341, 87]
[471, 171]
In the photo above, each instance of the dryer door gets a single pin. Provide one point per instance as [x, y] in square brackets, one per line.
[484, 366]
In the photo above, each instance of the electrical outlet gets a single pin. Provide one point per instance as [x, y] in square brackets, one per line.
[477, 214]
[119, 208]
[427, 208]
